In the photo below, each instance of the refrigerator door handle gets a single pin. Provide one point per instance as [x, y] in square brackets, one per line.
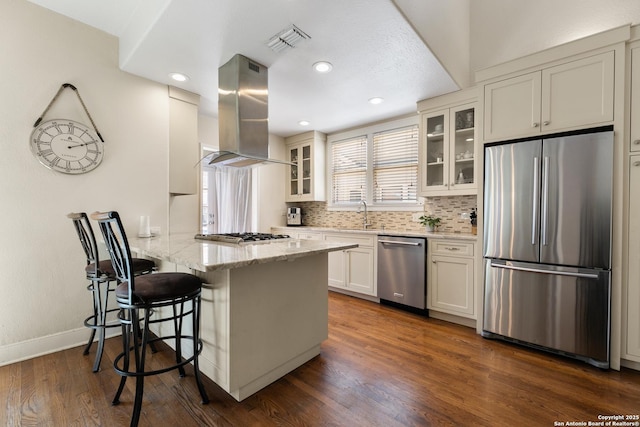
[545, 200]
[545, 271]
[536, 198]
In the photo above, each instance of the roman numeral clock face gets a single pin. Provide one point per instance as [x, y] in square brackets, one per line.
[67, 146]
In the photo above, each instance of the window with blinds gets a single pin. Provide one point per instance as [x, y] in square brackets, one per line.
[349, 178]
[395, 165]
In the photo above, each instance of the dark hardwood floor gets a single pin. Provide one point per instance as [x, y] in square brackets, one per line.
[379, 367]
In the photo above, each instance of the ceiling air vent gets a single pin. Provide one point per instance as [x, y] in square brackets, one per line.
[287, 38]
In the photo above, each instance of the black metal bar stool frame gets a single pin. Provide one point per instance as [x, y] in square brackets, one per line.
[102, 282]
[99, 286]
[97, 322]
[140, 300]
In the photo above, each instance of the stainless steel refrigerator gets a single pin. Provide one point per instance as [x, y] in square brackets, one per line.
[547, 243]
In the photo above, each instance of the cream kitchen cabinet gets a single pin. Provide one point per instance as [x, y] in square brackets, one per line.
[298, 233]
[307, 235]
[632, 300]
[184, 150]
[353, 270]
[571, 95]
[305, 181]
[635, 99]
[448, 145]
[450, 285]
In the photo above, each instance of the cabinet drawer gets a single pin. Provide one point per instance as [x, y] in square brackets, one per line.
[450, 247]
[361, 240]
[310, 235]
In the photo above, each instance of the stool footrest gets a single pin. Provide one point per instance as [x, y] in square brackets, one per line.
[127, 373]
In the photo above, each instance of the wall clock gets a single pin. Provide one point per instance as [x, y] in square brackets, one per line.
[65, 145]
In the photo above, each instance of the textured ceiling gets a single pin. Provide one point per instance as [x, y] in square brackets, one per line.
[375, 52]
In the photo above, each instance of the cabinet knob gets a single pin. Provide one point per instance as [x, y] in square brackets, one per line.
[637, 163]
[636, 142]
[536, 124]
[546, 123]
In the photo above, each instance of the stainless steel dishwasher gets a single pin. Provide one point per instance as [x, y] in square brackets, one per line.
[402, 270]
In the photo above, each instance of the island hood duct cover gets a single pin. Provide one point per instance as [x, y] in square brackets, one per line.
[243, 114]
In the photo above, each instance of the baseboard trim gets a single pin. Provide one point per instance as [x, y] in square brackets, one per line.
[470, 323]
[24, 350]
[631, 364]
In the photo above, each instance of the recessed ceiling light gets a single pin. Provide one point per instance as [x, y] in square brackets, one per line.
[376, 100]
[323, 66]
[304, 123]
[179, 77]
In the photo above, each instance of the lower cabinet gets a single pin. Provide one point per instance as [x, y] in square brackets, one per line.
[450, 285]
[353, 269]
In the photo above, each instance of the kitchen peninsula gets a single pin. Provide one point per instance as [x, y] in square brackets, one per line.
[264, 306]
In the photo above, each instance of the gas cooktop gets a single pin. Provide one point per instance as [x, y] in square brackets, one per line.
[242, 238]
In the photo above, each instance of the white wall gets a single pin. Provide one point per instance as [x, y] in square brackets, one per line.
[270, 188]
[43, 296]
[504, 30]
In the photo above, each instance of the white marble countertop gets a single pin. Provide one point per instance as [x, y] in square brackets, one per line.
[202, 255]
[426, 234]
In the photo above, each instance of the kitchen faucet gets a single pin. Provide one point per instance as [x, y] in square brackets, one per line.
[365, 224]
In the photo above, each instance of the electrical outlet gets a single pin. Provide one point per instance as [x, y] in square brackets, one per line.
[464, 215]
[416, 216]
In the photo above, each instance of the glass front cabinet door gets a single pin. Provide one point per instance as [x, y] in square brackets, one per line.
[436, 150]
[463, 152]
[306, 170]
[449, 151]
[300, 171]
[294, 154]
[305, 175]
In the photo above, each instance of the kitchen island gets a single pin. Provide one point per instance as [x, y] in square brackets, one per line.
[264, 306]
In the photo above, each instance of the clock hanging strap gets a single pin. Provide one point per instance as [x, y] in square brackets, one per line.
[63, 87]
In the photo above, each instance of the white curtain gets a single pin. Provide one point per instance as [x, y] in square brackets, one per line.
[229, 199]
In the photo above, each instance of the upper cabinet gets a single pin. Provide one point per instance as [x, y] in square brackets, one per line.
[448, 145]
[635, 99]
[305, 179]
[567, 96]
[184, 150]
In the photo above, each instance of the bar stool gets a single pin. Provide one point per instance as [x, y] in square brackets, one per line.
[100, 275]
[145, 300]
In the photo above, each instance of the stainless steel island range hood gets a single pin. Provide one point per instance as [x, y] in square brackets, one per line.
[243, 114]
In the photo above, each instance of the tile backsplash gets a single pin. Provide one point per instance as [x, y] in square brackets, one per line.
[315, 214]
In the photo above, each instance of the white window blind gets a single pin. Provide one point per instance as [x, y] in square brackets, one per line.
[349, 178]
[395, 165]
